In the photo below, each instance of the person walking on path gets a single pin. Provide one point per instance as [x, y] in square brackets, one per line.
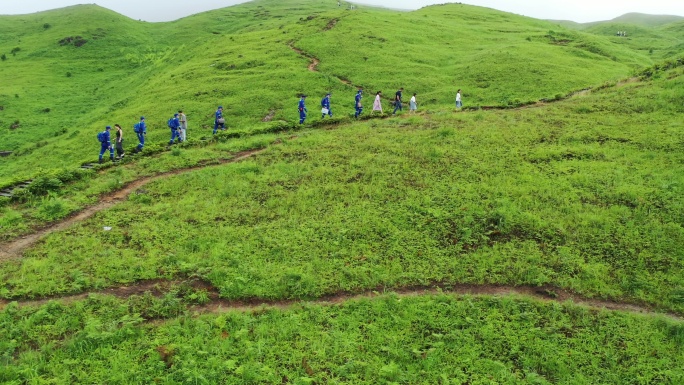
[302, 109]
[119, 142]
[140, 129]
[219, 121]
[183, 125]
[377, 104]
[106, 143]
[325, 106]
[357, 104]
[174, 125]
[413, 105]
[397, 101]
[459, 104]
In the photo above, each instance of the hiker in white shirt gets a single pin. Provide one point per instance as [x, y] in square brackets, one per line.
[183, 125]
[459, 104]
[413, 106]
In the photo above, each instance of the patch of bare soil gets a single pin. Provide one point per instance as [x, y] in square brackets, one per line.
[217, 304]
[331, 24]
[269, 116]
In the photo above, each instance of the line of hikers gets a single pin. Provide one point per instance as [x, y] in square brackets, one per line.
[358, 107]
[178, 124]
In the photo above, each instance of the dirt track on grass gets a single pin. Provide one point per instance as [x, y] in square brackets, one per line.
[216, 304]
[14, 249]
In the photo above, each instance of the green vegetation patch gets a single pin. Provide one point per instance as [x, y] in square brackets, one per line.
[436, 339]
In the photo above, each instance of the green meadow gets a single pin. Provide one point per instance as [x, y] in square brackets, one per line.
[580, 193]
[57, 96]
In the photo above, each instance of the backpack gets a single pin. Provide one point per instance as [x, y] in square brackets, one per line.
[136, 128]
[102, 136]
[170, 123]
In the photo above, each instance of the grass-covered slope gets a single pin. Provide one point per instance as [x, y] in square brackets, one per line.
[387, 340]
[582, 195]
[56, 97]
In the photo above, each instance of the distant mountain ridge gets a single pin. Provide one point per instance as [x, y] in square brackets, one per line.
[641, 19]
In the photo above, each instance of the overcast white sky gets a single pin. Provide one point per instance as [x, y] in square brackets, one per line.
[576, 10]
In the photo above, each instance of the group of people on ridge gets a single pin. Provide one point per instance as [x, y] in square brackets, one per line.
[358, 107]
[178, 124]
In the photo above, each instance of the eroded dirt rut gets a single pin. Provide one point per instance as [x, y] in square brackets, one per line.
[14, 249]
[216, 304]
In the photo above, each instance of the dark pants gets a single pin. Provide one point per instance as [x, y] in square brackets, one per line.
[119, 148]
[359, 111]
[302, 117]
[397, 106]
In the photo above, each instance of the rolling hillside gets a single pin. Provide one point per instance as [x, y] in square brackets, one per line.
[58, 96]
[533, 237]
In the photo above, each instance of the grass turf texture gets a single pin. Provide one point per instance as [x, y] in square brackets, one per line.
[580, 194]
[583, 194]
[58, 96]
[435, 339]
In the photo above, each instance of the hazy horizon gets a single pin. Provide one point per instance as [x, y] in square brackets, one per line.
[581, 11]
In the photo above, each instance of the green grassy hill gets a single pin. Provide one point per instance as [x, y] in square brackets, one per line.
[342, 251]
[581, 195]
[647, 20]
[659, 36]
[241, 57]
[641, 20]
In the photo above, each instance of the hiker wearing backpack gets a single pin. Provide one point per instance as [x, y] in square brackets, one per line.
[357, 104]
[174, 125]
[140, 130]
[302, 110]
[105, 143]
[219, 121]
[397, 101]
[325, 106]
[183, 125]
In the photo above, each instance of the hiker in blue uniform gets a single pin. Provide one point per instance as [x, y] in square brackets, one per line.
[357, 104]
[397, 101]
[325, 106]
[219, 121]
[174, 125]
[106, 143]
[141, 130]
[302, 110]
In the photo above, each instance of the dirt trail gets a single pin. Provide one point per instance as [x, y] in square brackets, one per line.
[218, 305]
[314, 62]
[14, 249]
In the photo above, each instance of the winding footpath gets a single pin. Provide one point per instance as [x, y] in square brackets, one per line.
[15, 248]
[216, 304]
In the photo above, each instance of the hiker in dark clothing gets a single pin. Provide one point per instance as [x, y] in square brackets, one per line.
[119, 141]
[397, 101]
